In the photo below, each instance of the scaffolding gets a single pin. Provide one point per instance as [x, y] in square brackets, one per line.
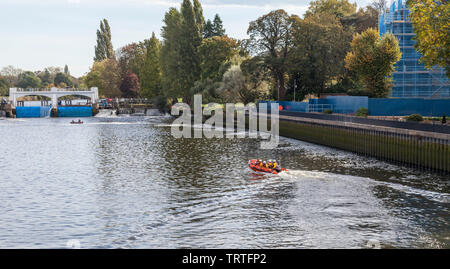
[411, 78]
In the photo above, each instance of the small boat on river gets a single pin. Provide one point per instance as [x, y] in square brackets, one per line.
[256, 166]
[76, 122]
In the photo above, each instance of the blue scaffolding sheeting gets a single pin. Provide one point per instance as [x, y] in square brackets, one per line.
[411, 78]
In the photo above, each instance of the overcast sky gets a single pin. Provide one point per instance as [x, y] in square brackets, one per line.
[35, 34]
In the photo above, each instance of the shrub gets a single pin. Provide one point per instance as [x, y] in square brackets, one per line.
[362, 112]
[414, 117]
[328, 111]
[444, 119]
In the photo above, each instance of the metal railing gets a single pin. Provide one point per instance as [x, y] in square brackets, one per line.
[319, 107]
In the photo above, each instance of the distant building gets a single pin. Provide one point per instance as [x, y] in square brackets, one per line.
[411, 78]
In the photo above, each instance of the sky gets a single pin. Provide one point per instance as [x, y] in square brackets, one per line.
[35, 34]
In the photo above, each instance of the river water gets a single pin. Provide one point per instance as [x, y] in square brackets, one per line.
[125, 182]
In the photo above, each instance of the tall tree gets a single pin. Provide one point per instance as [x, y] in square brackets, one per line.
[320, 44]
[66, 70]
[372, 58]
[208, 29]
[218, 29]
[151, 74]
[104, 48]
[270, 38]
[214, 28]
[198, 10]
[190, 40]
[431, 23]
[170, 53]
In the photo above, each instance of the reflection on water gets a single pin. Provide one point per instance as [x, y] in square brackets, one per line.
[124, 182]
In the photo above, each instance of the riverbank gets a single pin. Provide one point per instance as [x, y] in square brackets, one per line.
[413, 145]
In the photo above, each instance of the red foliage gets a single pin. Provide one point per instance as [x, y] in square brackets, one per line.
[130, 86]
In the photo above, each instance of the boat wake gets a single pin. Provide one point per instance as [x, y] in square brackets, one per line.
[296, 175]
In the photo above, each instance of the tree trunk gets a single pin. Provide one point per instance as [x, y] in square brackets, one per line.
[281, 86]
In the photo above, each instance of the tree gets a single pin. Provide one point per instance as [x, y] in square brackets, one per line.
[270, 38]
[46, 78]
[200, 20]
[379, 5]
[191, 39]
[28, 79]
[61, 78]
[362, 20]
[338, 8]
[66, 70]
[214, 53]
[104, 48]
[372, 58]
[236, 87]
[106, 76]
[11, 74]
[218, 29]
[430, 20]
[151, 73]
[208, 29]
[180, 60]
[214, 28]
[320, 44]
[170, 52]
[131, 57]
[130, 86]
[4, 87]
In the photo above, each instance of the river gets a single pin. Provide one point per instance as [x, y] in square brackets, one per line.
[125, 182]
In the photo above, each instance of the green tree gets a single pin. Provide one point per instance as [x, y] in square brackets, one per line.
[215, 52]
[170, 53]
[151, 84]
[4, 87]
[320, 44]
[218, 29]
[208, 29]
[200, 20]
[180, 59]
[362, 20]
[61, 78]
[104, 48]
[28, 79]
[106, 76]
[131, 57]
[338, 8]
[46, 78]
[66, 70]
[270, 38]
[191, 39]
[372, 58]
[237, 87]
[430, 19]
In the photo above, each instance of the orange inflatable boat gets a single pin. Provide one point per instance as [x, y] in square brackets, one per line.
[252, 164]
